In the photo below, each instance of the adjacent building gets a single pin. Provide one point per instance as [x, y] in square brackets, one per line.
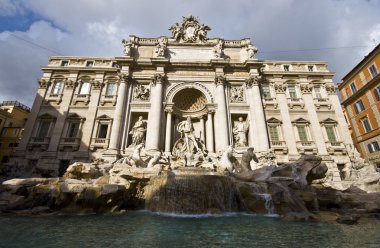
[13, 116]
[360, 93]
[91, 107]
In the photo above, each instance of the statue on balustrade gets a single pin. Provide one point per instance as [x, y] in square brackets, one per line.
[138, 132]
[240, 131]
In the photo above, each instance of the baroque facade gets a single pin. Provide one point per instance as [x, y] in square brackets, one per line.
[360, 93]
[181, 93]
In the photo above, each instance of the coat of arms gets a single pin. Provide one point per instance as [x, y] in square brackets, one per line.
[190, 30]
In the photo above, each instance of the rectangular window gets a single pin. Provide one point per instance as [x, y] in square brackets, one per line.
[57, 88]
[366, 125]
[43, 129]
[85, 88]
[330, 133]
[73, 129]
[273, 133]
[102, 133]
[353, 87]
[286, 67]
[359, 106]
[266, 92]
[292, 92]
[310, 67]
[373, 71]
[111, 89]
[317, 91]
[302, 133]
[377, 93]
[373, 147]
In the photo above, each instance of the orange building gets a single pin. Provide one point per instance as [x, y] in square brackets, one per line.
[360, 94]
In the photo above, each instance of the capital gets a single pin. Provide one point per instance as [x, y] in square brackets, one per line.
[220, 80]
[158, 78]
[279, 88]
[43, 84]
[123, 77]
[306, 89]
[97, 84]
[251, 81]
[330, 89]
[70, 83]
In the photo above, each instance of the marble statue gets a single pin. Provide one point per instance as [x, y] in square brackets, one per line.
[201, 32]
[138, 132]
[218, 49]
[127, 48]
[186, 129]
[190, 30]
[176, 31]
[251, 51]
[240, 133]
[160, 49]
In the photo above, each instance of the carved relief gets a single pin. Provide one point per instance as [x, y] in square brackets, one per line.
[70, 83]
[280, 88]
[237, 94]
[306, 89]
[190, 30]
[97, 85]
[220, 80]
[141, 92]
[330, 89]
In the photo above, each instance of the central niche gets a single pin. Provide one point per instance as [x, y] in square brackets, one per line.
[189, 100]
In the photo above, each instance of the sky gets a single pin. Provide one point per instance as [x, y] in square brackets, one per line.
[340, 32]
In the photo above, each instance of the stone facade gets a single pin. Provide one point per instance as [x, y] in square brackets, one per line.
[88, 108]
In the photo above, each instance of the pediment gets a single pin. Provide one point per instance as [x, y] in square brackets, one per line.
[329, 120]
[46, 116]
[274, 120]
[301, 120]
[103, 117]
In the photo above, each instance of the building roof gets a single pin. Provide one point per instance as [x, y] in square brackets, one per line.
[15, 104]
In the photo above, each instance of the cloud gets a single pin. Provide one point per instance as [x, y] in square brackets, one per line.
[96, 28]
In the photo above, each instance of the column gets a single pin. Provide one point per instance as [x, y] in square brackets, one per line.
[314, 122]
[258, 132]
[287, 124]
[168, 130]
[210, 133]
[118, 115]
[202, 122]
[41, 92]
[154, 118]
[221, 115]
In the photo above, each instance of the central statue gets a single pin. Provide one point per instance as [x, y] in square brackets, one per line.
[188, 143]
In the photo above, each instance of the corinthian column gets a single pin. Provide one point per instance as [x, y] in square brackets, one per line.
[221, 132]
[154, 118]
[258, 132]
[118, 116]
[168, 129]
[210, 133]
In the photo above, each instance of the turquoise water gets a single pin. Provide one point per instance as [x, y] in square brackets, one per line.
[143, 229]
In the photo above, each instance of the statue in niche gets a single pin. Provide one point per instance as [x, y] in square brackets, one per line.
[237, 94]
[138, 132]
[240, 133]
[127, 48]
[218, 49]
[160, 49]
[141, 92]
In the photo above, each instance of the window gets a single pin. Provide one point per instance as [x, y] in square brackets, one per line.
[373, 147]
[266, 91]
[317, 91]
[286, 67]
[273, 133]
[85, 88]
[353, 87]
[111, 89]
[310, 68]
[57, 88]
[330, 133]
[359, 106]
[64, 63]
[43, 129]
[103, 129]
[73, 129]
[302, 133]
[292, 92]
[377, 93]
[373, 71]
[366, 124]
[90, 63]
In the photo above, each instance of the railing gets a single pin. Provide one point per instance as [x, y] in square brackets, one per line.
[321, 99]
[305, 143]
[70, 140]
[43, 140]
[100, 141]
[16, 104]
[278, 143]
